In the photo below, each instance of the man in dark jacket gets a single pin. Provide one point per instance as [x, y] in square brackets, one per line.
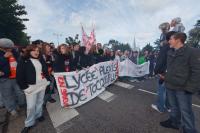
[182, 80]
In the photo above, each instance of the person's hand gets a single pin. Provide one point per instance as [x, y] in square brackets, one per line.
[52, 72]
[161, 76]
[8, 54]
[1, 73]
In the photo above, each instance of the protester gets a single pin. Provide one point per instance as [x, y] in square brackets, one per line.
[12, 96]
[151, 59]
[63, 60]
[178, 26]
[31, 72]
[22, 51]
[117, 55]
[85, 59]
[101, 57]
[75, 57]
[107, 55]
[99, 46]
[1, 100]
[93, 54]
[112, 55]
[182, 80]
[160, 68]
[141, 59]
[133, 56]
[49, 59]
[125, 55]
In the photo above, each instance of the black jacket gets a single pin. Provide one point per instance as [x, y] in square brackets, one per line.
[161, 63]
[85, 61]
[75, 60]
[62, 62]
[26, 74]
[100, 59]
[183, 69]
[93, 58]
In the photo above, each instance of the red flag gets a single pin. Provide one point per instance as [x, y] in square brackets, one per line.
[92, 37]
[88, 41]
[84, 37]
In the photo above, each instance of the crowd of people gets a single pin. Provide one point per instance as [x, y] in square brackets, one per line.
[23, 66]
[177, 66]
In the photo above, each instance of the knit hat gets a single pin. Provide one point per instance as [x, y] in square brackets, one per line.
[6, 43]
[164, 26]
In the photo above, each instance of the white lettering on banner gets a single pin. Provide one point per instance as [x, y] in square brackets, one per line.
[128, 68]
[76, 89]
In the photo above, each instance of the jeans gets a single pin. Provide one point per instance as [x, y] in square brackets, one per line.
[1, 100]
[12, 95]
[34, 107]
[181, 110]
[50, 89]
[161, 98]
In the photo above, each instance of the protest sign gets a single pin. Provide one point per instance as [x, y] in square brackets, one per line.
[129, 69]
[77, 88]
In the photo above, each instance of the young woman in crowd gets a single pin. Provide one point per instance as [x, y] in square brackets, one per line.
[63, 59]
[32, 71]
[48, 57]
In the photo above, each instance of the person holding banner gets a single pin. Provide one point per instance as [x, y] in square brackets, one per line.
[117, 55]
[32, 76]
[85, 59]
[63, 59]
[93, 54]
[75, 57]
[49, 59]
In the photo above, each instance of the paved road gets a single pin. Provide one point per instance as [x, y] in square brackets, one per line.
[119, 110]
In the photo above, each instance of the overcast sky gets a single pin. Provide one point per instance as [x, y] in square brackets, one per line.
[113, 19]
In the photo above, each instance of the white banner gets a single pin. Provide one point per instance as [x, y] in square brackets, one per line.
[77, 88]
[128, 68]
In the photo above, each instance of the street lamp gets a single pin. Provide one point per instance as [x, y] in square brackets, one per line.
[57, 36]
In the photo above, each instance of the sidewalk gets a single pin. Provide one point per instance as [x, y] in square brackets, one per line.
[3, 119]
